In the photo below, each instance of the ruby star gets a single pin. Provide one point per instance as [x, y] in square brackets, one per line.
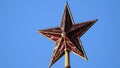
[67, 36]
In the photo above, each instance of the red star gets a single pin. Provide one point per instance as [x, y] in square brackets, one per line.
[67, 36]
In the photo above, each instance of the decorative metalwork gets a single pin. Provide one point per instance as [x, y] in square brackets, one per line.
[67, 37]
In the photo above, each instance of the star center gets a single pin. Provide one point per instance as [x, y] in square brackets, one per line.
[63, 34]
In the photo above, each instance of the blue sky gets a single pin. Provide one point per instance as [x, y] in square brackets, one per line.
[22, 47]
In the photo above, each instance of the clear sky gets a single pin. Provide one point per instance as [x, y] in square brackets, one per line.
[22, 47]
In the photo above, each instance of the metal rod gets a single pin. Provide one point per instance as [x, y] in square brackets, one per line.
[67, 59]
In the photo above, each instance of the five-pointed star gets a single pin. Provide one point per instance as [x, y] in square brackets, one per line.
[67, 36]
